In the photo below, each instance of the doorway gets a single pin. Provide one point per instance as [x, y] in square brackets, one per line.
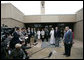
[60, 26]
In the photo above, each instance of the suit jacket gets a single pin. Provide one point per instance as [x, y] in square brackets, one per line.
[16, 35]
[68, 37]
[56, 34]
[47, 33]
[15, 40]
[32, 33]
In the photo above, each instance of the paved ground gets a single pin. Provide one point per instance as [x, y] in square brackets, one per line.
[41, 53]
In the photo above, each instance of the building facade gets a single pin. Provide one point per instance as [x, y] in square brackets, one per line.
[13, 17]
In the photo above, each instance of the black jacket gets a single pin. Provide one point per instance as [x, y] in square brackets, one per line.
[15, 40]
[32, 33]
[56, 34]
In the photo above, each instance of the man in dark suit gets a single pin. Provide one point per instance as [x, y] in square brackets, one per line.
[57, 36]
[28, 31]
[32, 37]
[15, 39]
[23, 31]
[46, 34]
[67, 41]
[32, 32]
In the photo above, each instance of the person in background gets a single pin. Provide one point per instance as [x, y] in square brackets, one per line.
[38, 34]
[15, 39]
[8, 39]
[35, 36]
[57, 36]
[24, 49]
[7, 42]
[32, 32]
[46, 34]
[24, 31]
[32, 37]
[72, 35]
[23, 35]
[3, 50]
[4, 36]
[64, 34]
[52, 38]
[17, 53]
[67, 41]
[28, 32]
[42, 35]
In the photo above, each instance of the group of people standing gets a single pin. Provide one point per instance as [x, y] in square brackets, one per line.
[67, 39]
[52, 36]
[55, 36]
[18, 40]
[38, 34]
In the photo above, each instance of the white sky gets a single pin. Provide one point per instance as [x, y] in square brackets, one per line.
[51, 7]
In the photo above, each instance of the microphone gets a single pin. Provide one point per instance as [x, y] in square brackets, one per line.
[50, 54]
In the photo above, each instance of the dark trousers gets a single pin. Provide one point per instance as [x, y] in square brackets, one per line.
[28, 40]
[56, 41]
[46, 37]
[35, 40]
[42, 37]
[67, 49]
